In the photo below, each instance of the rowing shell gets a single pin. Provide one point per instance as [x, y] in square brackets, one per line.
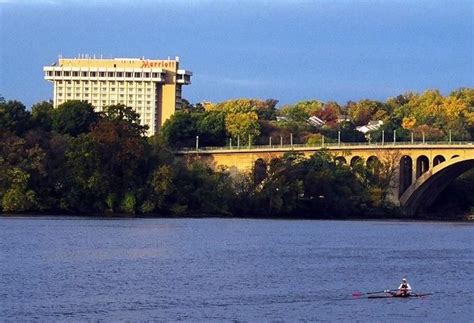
[394, 296]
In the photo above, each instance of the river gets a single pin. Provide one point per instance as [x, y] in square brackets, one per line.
[73, 269]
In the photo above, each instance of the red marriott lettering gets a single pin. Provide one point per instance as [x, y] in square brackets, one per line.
[149, 64]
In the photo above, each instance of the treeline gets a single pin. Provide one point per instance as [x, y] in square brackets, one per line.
[429, 115]
[75, 160]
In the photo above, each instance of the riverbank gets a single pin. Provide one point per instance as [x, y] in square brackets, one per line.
[424, 217]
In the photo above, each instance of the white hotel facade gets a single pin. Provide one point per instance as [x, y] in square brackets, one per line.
[151, 87]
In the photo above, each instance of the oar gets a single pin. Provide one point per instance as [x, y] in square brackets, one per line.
[369, 293]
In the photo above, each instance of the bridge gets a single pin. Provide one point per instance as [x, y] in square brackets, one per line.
[419, 171]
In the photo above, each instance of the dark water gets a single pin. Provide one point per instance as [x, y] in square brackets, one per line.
[218, 269]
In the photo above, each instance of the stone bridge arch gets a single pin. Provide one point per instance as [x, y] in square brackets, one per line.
[422, 193]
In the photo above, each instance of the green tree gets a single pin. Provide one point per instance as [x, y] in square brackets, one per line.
[180, 130]
[14, 117]
[74, 118]
[42, 115]
[242, 125]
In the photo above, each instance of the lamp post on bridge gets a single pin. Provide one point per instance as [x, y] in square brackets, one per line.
[383, 137]
[238, 141]
[339, 138]
[412, 138]
[291, 140]
[197, 143]
[450, 137]
[281, 141]
[394, 137]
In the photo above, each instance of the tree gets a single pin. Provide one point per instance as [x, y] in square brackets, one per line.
[42, 115]
[74, 118]
[14, 117]
[180, 130]
[242, 125]
[127, 116]
[211, 129]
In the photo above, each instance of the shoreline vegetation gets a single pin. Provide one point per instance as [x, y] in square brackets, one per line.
[75, 161]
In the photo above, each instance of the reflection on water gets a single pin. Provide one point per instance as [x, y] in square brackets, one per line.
[231, 269]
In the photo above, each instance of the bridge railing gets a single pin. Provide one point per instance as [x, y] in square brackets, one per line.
[328, 145]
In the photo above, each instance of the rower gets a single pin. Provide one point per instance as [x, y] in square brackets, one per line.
[404, 289]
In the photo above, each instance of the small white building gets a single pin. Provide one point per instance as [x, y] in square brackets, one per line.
[371, 126]
[315, 121]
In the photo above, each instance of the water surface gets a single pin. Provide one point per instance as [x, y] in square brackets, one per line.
[232, 269]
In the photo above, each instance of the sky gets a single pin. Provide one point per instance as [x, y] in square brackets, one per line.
[289, 50]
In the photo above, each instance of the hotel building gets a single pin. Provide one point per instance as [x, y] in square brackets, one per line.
[151, 87]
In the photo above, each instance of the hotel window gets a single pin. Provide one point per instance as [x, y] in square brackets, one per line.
[121, 101]
[69, 94]
[104, 89]
[113, 101]
[76, 82]
[78, 88]
[104, 102]
[130, 96]
[147, 74]
[57, 73]
[112, 89]
[137, 74]
[110, 74]
[67, 73]
[86, 95]
[101, 74]
[49, 73]
[139, 102]
[112, 82]
[148, 102]
[86, 89]
[155, 75]
[84, 74]
[75, 74]
[93, 74]
[119, 74]
[95, 95]
[104, 94]
[68, 82]
[85, 82]
[121, 95]
[96, 88]
[60, 94]
[60, 82]
[69, 88]
[128, 74]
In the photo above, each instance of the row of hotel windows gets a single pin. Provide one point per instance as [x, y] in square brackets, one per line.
[78, 89]
[105, 103]
[146, 84]
[86, 95]
[104, 74]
